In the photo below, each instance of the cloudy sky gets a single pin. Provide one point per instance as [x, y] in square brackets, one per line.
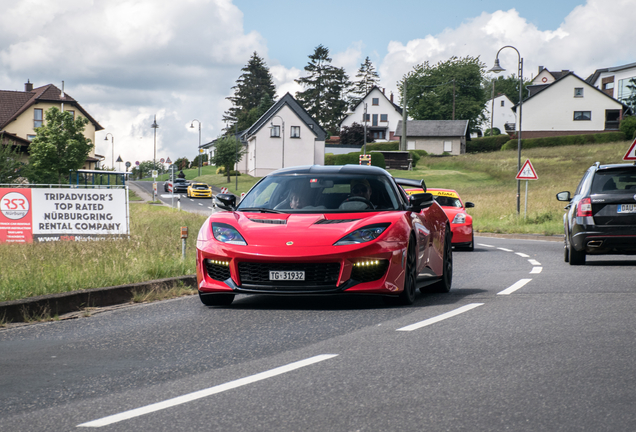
[126, 61]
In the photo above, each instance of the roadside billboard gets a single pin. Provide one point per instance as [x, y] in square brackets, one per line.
[41, 215]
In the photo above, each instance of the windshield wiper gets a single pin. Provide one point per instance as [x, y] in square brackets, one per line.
[260, 209]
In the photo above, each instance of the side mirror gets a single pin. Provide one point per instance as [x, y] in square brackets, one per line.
[225, 201]
[468, 204]
[420, 201]
[423, 185]
[563, 196]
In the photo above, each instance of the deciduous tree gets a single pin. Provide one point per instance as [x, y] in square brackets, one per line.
[10, 164]
[58, 147]
[227, 153]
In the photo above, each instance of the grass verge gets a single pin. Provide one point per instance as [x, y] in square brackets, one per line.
[153, 251]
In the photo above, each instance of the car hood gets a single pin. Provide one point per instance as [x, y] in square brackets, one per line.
[304, 230]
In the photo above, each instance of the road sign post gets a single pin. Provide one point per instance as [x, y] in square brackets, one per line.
[526, 173]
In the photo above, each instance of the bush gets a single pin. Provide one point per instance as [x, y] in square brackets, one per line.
[628, 127]
[486, 144]
[556, 141]
[377, 159]
[492, 132]
[385, 146]
[221, 170]
[416, 155]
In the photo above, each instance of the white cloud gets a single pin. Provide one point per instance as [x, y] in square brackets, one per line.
[592, 36]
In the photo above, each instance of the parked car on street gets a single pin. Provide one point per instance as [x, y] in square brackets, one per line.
[325, 230]
[601, 216]
[455, 209]
[199, 190]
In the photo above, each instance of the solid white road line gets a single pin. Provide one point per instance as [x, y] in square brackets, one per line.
[484, 245]
[514, 287]
[440, 317]
[522, 255]
[505, 250]
[536, 270]
[126, 415]
[534, 262]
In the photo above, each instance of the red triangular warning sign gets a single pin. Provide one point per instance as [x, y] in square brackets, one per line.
[527, 172]
[631, 153]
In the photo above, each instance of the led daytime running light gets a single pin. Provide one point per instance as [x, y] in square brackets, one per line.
[367, 263]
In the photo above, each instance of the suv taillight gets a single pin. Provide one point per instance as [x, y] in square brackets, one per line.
[584, 208]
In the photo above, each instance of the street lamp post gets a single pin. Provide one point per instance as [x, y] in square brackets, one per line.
[199, 154]
[112, 140]
[283, 132]
[496, 69]
[155, 126]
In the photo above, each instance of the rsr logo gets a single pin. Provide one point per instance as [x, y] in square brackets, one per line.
[14, 205]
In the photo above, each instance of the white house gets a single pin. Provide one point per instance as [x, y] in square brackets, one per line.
[382, 115]
[614, 81]
[568, 106]
[499, 113]
[286, 135]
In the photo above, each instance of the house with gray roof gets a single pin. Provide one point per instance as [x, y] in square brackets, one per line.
[436, 136]
[618, 82]
[286, 135]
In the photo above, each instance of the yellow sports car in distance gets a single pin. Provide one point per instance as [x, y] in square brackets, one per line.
[199, 190]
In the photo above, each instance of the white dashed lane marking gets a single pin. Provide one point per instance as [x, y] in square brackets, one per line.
[514, 287]
[440, 317]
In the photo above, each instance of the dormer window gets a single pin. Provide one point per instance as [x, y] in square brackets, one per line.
[578, 91]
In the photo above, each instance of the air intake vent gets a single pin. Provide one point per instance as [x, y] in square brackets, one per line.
[335, 221]
[271, 221]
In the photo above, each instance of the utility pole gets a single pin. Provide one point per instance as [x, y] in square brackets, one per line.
[403, 140]
[453, 118]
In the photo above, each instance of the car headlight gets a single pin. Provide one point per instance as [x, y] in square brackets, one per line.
[459, 218]
[362, 235]
[227, 234]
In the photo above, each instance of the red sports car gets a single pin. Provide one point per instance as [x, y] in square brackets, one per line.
[325, 230]
[455, 209]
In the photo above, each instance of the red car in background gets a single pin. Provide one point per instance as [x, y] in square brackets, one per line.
[455, 209]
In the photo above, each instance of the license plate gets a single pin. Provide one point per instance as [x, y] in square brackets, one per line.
[286, 275]
[627, 208]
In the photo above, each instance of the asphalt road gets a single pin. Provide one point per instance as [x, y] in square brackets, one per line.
[195, 205]
[524, 342]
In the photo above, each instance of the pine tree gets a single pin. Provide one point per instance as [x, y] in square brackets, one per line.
[367, 77]
[252, 88]
[326, 88]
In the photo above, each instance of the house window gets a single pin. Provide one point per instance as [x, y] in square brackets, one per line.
[30, 137]
[375, 120]
[378, 135]
[368, 117]
[410, 145]
[608, 86]
[502, 103]
[37, 118]
[274, 131]
[582, 115]
[384, 117]
[295, 132]
[578, 91]
[448, 146]
[72, 113]
[375, 101]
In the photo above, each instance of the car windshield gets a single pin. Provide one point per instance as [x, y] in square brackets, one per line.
[179, 180]
[614, 181]
[200, 186]
[311, 193]
[446, 201]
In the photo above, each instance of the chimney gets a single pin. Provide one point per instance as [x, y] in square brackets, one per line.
[540, 69]
[28, 86]
[391, 97]
[383, 88]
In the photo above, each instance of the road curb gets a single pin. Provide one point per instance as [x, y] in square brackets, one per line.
[62, 303]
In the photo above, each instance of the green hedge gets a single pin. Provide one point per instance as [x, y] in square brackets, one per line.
[377, 159]
[384, 146]
[486, 144]
[565, 140]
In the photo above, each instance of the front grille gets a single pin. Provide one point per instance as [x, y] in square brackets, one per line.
[369, 273]
[316, 274]
[217, 271]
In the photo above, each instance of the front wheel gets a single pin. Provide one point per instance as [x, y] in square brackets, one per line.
[443, 285]
[216, 299]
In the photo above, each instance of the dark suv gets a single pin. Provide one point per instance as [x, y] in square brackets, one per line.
[178, 185]
[601, 217]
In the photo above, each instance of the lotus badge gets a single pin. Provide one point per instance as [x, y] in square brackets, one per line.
[289, 243]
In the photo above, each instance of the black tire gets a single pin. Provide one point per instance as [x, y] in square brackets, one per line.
[216, 299]
[566, 253]
[576, 257]
[443, 285]
[471, 246]
[407, 296]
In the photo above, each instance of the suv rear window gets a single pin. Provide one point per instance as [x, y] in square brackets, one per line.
[614, 181]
